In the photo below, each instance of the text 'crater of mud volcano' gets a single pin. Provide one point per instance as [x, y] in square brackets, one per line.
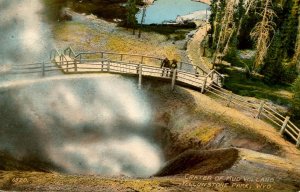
[96, 125]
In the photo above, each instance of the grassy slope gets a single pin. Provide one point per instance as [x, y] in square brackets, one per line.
[97, 35]
[237, 82]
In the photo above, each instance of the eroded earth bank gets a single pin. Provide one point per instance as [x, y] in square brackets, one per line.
[197, 137]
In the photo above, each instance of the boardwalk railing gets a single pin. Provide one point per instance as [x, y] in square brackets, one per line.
[94, 62]
[69, 52]
[89, 61]
[135, 58]
[259, 109]
[41, 67]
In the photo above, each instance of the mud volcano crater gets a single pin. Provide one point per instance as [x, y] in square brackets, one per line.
[104, 125]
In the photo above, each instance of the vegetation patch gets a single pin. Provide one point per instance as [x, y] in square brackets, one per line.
[205, 134]
[240, 83]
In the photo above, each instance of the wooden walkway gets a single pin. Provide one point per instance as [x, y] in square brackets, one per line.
[210, 82]
[139, 65]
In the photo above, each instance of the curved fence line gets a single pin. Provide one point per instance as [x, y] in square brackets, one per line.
[69, 62]
[262, 110]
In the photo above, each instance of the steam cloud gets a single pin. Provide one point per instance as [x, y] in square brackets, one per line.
[24, 37]
[86, 125]
[82, 125]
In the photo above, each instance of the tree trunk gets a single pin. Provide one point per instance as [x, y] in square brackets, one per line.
[142, 21]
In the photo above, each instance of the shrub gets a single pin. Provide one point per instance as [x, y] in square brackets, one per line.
[296, 100]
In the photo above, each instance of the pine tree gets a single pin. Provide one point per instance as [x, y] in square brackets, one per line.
[279, 57]
[262, 33]
[227, 28]
[296, 99]
[131, 9]
[273, 69]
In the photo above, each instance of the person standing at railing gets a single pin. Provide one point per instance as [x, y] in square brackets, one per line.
[165, 65]
[173, 66]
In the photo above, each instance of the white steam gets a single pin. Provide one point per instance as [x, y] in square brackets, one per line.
[86, 125]
[24, 36]
[132, 156]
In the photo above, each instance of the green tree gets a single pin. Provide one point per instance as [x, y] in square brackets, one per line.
[296, 100]
[131, 8]
[289, 27]
[217, 12]
[273, 69]
[279, 65]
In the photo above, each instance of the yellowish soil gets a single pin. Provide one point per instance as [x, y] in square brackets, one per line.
[195, 51]
[99, 35]
[235, 117]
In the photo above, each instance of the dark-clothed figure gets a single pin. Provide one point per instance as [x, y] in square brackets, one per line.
[173, 66]
[165, 65]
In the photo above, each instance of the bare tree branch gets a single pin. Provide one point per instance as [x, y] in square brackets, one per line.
[262, 32]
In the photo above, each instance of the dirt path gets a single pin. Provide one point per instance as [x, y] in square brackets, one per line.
[194, 50]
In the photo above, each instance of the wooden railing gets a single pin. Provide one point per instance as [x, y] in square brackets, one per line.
[69, 52]
[123, 67]
[53, 54]
[84, 57]
[187, 74]
[42, 68]
[136, 58]
[259, 109]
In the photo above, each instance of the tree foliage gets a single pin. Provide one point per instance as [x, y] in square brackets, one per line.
[262, 32]
[273, 67]
[252, 24]
[281, 54]
[131, 8]
[227, 28]
[296, 99]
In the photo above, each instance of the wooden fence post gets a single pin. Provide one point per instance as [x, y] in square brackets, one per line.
[283, 127]
[80, 58]
[43, 69]
[174, 78]
[260, 109]
[142, 59]
[67, 65]
[298, 142]
[180, 66]
[60, 60]
[121, 57]
[75, 65]
[204, 85]
[140, 76]
[229, 99]
[108, 66]
[102, 66]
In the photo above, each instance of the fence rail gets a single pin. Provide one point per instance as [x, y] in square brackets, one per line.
[262, 110]
[136, 58]
[70, 62]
